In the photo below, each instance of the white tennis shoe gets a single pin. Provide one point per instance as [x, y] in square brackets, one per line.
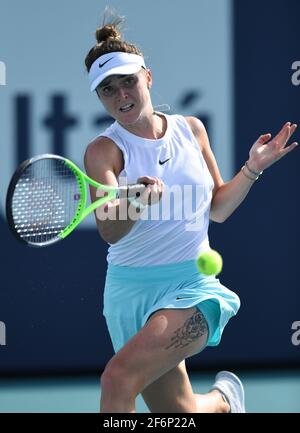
[232, 389]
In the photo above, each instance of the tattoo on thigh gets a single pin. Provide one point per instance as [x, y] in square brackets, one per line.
[193, 329]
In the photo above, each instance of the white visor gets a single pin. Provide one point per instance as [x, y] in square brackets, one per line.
[115, 63]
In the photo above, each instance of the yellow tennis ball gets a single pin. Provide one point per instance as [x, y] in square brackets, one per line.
[210, 262]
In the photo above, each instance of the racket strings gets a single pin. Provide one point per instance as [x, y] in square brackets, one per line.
[45, 200]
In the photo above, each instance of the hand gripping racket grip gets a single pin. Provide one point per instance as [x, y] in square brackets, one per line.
[131, 190]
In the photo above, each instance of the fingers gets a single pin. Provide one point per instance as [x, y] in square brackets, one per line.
[156, 190]
[293, 129]
[262, 140]
[264, 152]
[153, 192]
[289, 148]
[285, 133]
[281, 137]
[151, 180]
[289, 131]
[147, 180]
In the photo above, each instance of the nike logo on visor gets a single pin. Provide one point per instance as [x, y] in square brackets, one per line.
[102, 64]
[163, 162]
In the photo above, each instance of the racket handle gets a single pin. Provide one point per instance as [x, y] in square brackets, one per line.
[132, 190]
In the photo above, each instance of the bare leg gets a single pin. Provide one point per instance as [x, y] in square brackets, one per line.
[168, 338]
[116, 400]
[173, 392]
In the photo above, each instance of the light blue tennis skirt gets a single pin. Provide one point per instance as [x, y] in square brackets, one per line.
[132, 294]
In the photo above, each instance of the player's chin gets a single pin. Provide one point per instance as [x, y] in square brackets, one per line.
[128, 117]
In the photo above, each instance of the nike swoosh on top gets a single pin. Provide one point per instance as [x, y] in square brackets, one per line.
[163, 162]
[102, 64]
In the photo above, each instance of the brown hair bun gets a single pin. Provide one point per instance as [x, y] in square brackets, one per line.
[107, 32]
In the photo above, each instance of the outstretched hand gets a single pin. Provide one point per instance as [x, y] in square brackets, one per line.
[265, 152]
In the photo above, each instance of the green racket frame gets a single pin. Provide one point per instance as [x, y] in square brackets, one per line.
[82, 211]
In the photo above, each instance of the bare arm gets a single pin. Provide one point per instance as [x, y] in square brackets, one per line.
[103, 162]
[228, 196]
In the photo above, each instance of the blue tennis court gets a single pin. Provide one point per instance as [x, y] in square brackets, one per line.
[266, 391]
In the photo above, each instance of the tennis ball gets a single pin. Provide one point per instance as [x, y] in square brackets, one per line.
[210, 262]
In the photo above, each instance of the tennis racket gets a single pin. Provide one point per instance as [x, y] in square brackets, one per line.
[47, 199]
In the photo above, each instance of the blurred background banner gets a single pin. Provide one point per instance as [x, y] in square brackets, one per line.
[228, 63]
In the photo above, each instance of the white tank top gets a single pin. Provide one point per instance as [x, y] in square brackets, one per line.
[175, 229]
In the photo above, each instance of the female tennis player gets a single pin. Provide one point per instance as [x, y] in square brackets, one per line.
[159, 309]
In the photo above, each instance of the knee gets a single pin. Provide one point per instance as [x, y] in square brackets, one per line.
[115, 380]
